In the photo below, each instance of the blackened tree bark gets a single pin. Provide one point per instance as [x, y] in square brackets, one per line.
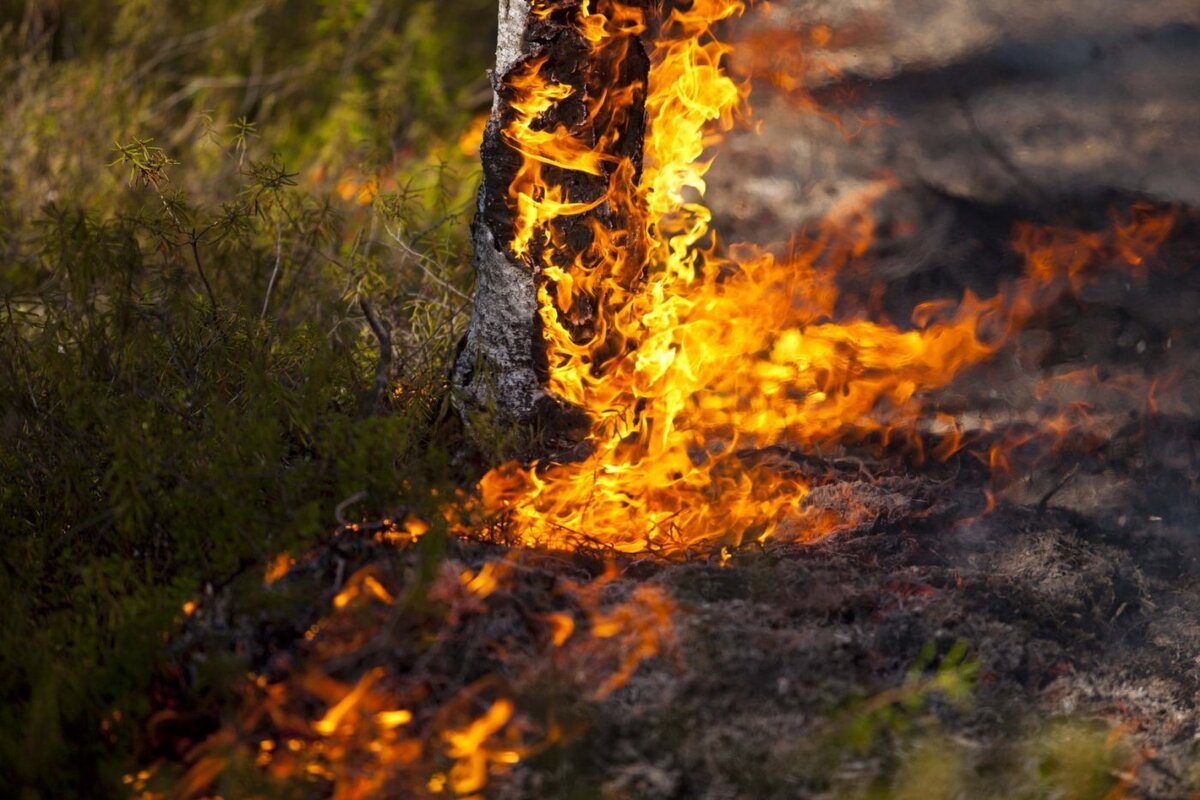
[503, 366]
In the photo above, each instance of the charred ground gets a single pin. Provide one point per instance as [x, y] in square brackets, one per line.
[1046, 644]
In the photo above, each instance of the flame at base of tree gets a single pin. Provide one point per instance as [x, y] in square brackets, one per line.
[685, 359]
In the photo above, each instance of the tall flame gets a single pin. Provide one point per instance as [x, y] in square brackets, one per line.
[694, 359]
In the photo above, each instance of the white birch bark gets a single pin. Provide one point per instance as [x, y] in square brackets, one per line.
[496, 369]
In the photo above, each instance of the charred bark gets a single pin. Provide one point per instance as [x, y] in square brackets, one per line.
[503, 367]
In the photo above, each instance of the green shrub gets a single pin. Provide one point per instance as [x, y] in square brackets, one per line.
[191, 321]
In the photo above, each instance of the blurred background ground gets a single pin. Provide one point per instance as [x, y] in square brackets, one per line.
[985, 100]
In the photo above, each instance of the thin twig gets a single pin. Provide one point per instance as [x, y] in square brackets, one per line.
[383, 334]
[180, 45]
[339, 513]
[423, 261]
[1044, 502]
[194, 241]
[275, 271]
[202, 83]
[12, 322]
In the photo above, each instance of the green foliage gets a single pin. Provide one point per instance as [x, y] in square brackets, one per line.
[1061, 760]
[919, 740]
[147, 162]
[207, 342]
[950, 679]
[903, 733]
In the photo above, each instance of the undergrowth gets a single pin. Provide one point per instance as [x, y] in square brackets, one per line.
[232, 274]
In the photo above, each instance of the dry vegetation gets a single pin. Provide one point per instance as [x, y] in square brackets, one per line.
[195, 268]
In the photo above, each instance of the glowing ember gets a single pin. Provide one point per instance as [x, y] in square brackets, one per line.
[278, 568]
[395, 730]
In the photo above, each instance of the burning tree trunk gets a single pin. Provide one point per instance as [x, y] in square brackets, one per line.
[567, 121]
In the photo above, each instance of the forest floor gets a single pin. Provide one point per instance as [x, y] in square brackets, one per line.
[1035, 649]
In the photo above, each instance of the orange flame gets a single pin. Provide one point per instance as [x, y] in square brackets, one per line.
[703, 357]
[278, 568]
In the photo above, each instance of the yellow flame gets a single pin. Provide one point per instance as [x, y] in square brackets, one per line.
[690, 358]
[393, 719]
[465, 745]
[334, 716]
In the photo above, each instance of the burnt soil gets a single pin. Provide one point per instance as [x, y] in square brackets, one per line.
[1003, 647]
[1046, 647]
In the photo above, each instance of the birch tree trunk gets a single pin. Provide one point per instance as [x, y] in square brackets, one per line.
[503, 368]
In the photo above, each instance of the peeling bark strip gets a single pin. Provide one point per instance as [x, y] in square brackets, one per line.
[503, 367]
